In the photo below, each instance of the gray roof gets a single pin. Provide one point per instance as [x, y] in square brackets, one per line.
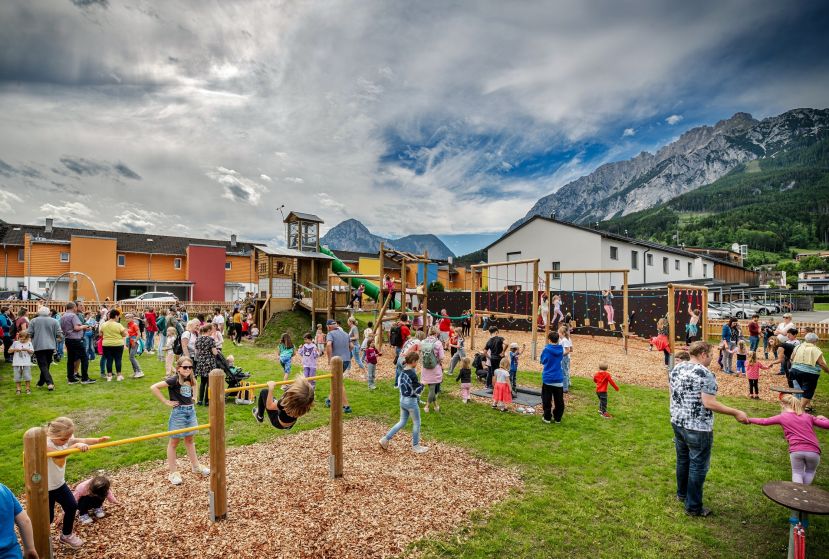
[292, 253]
[13, 234]
[304, 217]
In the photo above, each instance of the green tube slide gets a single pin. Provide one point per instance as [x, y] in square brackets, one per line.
[371, 290]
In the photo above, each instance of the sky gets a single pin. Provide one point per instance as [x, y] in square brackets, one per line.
[202, 118]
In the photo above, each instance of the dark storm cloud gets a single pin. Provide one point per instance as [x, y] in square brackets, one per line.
[237, 192]
[23, 171]
[91, 3]
[87, 167]
[125, 171]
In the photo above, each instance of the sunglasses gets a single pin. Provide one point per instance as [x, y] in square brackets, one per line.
[186, 367]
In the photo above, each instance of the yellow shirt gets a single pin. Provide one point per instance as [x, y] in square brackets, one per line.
[112, 332]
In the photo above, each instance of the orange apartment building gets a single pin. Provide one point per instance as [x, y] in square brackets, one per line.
[122, 265]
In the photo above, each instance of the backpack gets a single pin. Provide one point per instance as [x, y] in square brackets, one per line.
[5, 323]
[396, 336]
[427, 354]
[177, 350]
[407, 389]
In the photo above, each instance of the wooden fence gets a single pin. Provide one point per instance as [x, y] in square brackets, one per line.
[193, 307]
[820, 328]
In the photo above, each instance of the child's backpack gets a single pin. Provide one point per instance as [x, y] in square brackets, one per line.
[177, 349]
[427, 353]
[140, 343]
[396, 336]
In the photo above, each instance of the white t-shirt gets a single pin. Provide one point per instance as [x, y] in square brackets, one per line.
[56, 467]
[22, 358]
[565, 343]
[219, 320]
[367, 335]
[783, 327]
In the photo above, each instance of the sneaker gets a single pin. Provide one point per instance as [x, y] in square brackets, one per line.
[384, 443]
[99, 512]
[175, 478]
[28, 391]
[256, 415]
[703, 512]
[328, 402]
[545, 420]
[89, 381]
[109, 378]
[139, 374]
[50, 387]
[120, 378]
[606, 415]
[680, 499]
[73, 381]
[72, 540]
[200, 469]
[558, 421]
[346, 409]
[420, 449]
[85, 519]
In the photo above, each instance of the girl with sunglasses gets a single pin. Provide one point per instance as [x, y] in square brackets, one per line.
[180, 388]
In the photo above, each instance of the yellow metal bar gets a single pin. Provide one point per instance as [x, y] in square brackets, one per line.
[107, 444]
[264, 384]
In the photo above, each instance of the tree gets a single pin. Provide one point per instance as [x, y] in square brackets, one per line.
[436, 286]
[809, 263]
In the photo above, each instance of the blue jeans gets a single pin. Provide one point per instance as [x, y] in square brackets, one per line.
[565, 370]
[150, 338]
[693, 457]
[753, 342]
[355, 356]
[89, 347]
[162, 341]
[408, 407]
[398, 368]
[728, 359]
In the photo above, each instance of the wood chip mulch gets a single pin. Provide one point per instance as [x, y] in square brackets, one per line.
[282, 504]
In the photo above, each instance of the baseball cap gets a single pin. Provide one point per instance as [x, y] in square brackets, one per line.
[513, 345]
[330, 322]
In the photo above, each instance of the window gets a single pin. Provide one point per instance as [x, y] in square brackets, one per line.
[556, 266]
[705, 270]
[634, 260]
[690, 269]
[513, 256]
[21, 254]
[676, 265]
[614, 253]
[293, 235]
[177, 263]
[228, 265]
[309, 236]
[664, 265]
[122, 260]
[64, 257]
[649, 259]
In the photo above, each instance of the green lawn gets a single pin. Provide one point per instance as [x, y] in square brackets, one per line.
[821, 307]
[593, 487]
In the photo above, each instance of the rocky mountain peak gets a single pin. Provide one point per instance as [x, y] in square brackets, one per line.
[352, 235]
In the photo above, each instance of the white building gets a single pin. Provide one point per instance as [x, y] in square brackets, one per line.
[566, 246]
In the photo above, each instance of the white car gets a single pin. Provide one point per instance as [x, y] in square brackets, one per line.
[718, 313]
[746, 308]
[153, 297]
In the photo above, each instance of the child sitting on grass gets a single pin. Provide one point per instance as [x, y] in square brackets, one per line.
[799, 429]
[501, 393]
[91, 495]
[602, 379]
[465, 378]
[410, 390]
[294, 403]
[753, 375]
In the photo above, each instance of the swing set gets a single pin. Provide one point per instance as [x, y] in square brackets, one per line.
[592, 300]
[697, 297]
[510, 296]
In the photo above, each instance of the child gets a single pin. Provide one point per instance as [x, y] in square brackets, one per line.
[514, 352]
[741, 358]
[286, 353]
[133, 345]
[456, 349]
[410, 389]
[169, 356]
[320, 339]
[205, 360]
[91, 495]
[309, 354]
[567, 344]
[11, 515]
[180, 389]
[692, 328]
[557, 315]
[753, 375]
[371, 363]
[660, 342]
[283, 413]
[602, 379]
[59, 435]
[368, 334]
[501, 393]
[465, 378]
[22, 361]
[768, 331]
[480, 366]
[799, 429]
[254, 331]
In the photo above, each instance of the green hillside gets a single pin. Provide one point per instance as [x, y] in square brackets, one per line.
[773, 205]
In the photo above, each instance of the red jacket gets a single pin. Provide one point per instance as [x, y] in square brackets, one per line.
[602, 379]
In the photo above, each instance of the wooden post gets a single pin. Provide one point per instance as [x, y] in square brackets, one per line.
[704, 316]
[270, 280]
[37, 488]
[311, 284]
[671, 317]
[472, 319]
[218, 466]
[335, 460]
[535, 311]
[626, 323]
[549, 302]
[425, 302]
[403, 285]
[378, 327]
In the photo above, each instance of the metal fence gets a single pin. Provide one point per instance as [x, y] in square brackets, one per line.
[193, 307]
[819, 328]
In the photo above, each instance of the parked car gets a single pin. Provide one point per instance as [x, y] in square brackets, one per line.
[774, 306]
[745, 308]
[153, 297]
[12, 296]
[717, 312]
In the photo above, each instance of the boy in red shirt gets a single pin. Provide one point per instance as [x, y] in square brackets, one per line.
[602, 379]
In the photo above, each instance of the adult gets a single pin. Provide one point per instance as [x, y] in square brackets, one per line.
[22, 320]
[23, 294]
[398, 335]
[113, 333]
[46, 335]
[73, 332]
[431, 373]
[219, 320]
[445, 326]
[552, 380]
[6, 325]
[754, 333]
[784, 326]
[338, 344]
[693, 403]
[494, 349]
[727, 336]
[161, 327]
[151, 326]
[354, 336]
[188, 339]
[466, 323]
[783, 348]
[237, 326]
[807, 362]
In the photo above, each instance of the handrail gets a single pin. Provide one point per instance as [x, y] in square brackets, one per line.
[107, 444]
[264, 384]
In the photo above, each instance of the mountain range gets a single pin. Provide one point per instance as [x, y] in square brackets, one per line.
[352, 235]
[698, 157]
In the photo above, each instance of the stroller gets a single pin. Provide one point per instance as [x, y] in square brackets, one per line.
[233, 375]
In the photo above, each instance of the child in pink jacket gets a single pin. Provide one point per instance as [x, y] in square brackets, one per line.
[91, 495]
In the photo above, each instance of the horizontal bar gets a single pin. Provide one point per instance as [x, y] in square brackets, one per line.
[527, 261]
[107, 444]
[354, 276]
[688, 286]
[592, 271]
[278, 383]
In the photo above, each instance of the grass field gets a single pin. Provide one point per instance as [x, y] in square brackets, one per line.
[821, 307]
[593, 487]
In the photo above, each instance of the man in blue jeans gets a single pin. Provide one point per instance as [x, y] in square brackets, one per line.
[693, 403]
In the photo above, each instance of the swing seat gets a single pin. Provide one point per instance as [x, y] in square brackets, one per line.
[587, 322]
[601, 324]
